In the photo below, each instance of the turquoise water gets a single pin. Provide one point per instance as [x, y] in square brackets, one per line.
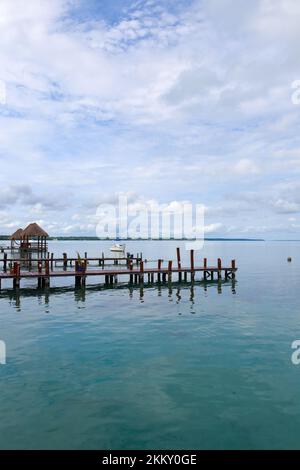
[206, 368]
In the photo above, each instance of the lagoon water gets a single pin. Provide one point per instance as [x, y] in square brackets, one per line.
[156, 368]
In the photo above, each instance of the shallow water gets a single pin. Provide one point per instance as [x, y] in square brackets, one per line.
[203, 367]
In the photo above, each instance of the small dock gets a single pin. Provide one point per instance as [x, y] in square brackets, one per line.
[135, 271]
[29, 261]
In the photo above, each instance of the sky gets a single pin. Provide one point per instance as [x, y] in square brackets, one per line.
[160, 101]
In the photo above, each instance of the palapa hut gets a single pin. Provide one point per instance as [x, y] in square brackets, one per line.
[15, 238]
[32, 238]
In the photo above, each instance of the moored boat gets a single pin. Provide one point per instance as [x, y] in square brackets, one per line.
[118, 248]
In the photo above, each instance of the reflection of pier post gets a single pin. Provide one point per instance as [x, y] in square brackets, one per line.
[170, 293]
[80, 295]
[141, 293]
[192, 291]
[130, 289]
[178, 296]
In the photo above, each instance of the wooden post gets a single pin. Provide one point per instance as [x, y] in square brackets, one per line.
[192, 265]
[77, 278]
[233, 268]
[178, 263]
[131, 268]
[40, 272]
[5, 262]
[47, 270]
[170, 271]
[192, 260]
[65, 261]
[142, 271]
[159, 269]
[16, 271]
[219, 268]
[205, 273]
[52, 256]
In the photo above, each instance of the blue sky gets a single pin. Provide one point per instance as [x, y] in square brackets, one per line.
[163, 101]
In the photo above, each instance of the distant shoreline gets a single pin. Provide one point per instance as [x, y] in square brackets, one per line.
[6, 237]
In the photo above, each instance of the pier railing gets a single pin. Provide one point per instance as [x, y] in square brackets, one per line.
[135, 270]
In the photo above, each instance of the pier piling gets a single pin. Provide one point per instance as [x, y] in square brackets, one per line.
[134, 274]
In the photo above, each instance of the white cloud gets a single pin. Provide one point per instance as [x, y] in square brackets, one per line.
[162, 102]
[286, 207]
[246, 167]
[212, 228]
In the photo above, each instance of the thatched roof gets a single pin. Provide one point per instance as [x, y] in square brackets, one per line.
[34, 230]
[17, 234]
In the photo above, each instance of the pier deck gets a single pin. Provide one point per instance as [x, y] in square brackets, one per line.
[114, 272]
[135, 275]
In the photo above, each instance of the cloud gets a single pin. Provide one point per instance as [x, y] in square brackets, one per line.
[246, 167]
[158, 100]
[212, 228]
[286, 207]
[23, 195]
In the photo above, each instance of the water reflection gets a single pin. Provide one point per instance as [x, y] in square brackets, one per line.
[172, 292]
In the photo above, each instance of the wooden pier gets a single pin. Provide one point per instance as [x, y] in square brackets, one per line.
[163, 272]
[65, 261]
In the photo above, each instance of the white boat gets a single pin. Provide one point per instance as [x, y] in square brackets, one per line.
[117, 248]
